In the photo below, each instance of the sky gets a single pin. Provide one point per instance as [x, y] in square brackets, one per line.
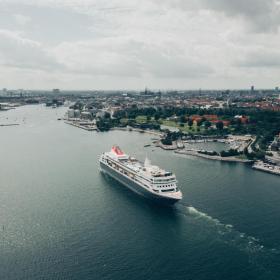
[133, 44]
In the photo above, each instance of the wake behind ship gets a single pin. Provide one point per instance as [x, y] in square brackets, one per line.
[144, 179]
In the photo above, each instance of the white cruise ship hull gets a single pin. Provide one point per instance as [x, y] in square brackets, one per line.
[135, 187]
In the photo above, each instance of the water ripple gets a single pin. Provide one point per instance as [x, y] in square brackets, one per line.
[265, 259]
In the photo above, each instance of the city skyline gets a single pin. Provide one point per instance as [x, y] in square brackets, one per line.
[132, 44]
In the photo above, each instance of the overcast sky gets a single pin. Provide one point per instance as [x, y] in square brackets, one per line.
[130, 44]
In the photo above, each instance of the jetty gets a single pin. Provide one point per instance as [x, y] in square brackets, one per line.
[214, 157]
[266, 167]
[85, 126]
[9, 124]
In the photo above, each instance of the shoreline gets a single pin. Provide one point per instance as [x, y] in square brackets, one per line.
[138, 130]
[81, 126]
[219, 158]
[275, 170]
[180, 150]
[9, 124]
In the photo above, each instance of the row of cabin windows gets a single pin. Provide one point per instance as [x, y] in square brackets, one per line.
[166, 190]
[162, 181]
[170, 190]
[164, 186]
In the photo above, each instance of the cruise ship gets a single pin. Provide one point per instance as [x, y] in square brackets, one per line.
[143, 178]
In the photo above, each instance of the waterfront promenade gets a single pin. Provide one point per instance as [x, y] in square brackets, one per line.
[214, 157]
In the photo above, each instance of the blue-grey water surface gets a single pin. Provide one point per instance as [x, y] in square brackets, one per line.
[61, 219]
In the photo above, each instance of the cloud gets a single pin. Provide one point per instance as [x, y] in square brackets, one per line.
[20, 52]
[261, 58]
[97, 57]
[263, 15]
[168, 43]
[162, 64]
[127, 57]
[260, 15]
[21, 19]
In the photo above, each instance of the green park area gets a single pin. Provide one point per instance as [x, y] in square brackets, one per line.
[184, 127]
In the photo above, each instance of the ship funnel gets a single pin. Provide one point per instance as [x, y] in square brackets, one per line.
[116, 150]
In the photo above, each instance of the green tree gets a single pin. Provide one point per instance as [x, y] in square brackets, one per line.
[207, 124]
[220, 125]
[157, 116]
[183, 119]
[107, 115]
[199, 122]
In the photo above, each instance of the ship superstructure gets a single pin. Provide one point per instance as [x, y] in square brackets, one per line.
[143, 178]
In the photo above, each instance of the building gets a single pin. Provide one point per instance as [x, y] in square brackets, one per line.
[71, 113]
[56, 90]
[275, 146]
[243, 119]
[86, 115]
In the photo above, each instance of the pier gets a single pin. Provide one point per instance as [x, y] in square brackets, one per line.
[265, 167]
[214, 157]
[9, 124]
[88, 127]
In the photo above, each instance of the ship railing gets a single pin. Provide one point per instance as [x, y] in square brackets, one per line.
[142, 182]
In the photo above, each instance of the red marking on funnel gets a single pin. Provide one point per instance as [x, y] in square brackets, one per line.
[117, 151]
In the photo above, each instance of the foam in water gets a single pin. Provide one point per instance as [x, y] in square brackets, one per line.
[258, 255]
[223, 229]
